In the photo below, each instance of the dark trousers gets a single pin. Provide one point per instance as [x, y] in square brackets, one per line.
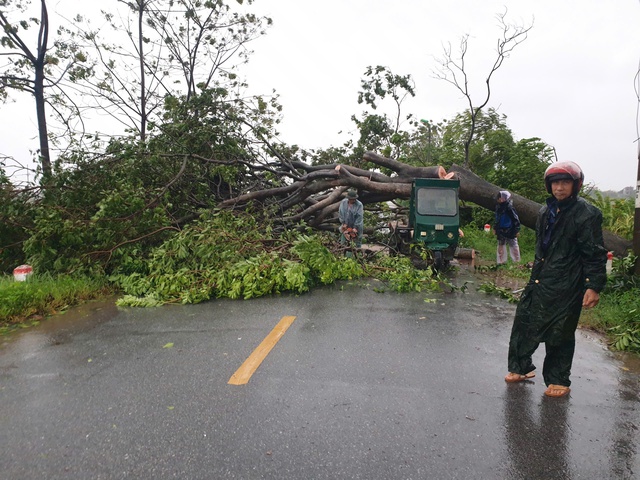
[557, 361]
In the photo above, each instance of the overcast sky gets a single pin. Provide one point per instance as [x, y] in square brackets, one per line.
[572, 83]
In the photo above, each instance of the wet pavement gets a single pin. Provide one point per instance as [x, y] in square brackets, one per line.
[364, 384]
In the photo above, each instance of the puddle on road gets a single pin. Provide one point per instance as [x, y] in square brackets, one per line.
[86, 315]
[58, 329]
[631, 362]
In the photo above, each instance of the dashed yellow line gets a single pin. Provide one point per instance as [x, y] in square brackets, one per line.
[250, 365]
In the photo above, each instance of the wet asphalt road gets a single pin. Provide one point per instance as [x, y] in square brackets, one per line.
[363, 385]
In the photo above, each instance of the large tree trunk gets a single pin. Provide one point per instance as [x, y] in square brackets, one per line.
[314, 194]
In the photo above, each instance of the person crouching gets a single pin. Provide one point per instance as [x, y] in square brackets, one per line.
[351, 215]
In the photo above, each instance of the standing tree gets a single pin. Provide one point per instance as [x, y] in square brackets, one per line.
[379, 132]
[453, 71]
[204, 39]
[35, 69]
[127, 81]
[495, 155]
[492, 140]
[176, 48]
[25, 70]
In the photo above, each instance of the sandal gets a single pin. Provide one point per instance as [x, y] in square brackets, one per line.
[517, 377]
[557, 391]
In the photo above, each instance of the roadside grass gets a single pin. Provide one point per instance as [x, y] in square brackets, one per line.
[23, 304]
[618, 312]
[485, 245]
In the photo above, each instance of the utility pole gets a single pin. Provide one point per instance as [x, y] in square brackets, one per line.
[636, 216]
[636, 222]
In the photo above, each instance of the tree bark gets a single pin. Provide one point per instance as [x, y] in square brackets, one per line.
[39, 64]
[315, 194]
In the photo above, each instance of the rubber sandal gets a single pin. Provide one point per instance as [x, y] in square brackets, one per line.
[516, 377]
[557, 391]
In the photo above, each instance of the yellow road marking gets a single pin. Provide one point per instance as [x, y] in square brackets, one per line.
[250, 365]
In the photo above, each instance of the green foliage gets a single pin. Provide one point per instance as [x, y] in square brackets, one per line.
[378, 132]
[99, 214]
[494, 154]
[402, 276]
[204, 261]
[133, 301]
[522, 169]
[627, 338]
[80, 228]
[617, 214]
[260, 275]
[424, 144]
[485, 244]
[325, 266]
[15, 220]
[491, 137]
[375, 135]
[379, 82]
[502, 292]
[618, 313]
[229, 255]
[622, 276]
[475, 237]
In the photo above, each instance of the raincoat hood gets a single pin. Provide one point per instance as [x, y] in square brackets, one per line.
[504, 195]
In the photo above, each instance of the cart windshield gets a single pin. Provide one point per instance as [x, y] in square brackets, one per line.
[437, 201]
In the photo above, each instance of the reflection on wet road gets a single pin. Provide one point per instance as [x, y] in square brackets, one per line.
[536, 432]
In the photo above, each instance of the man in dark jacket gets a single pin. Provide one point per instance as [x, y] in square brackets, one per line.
[506, 228]
[568, 273]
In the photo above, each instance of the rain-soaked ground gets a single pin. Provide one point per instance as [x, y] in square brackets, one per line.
[364, 384]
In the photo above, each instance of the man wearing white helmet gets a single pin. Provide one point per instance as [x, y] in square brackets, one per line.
[568, 273]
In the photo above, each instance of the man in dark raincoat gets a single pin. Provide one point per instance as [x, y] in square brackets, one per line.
[568, 273]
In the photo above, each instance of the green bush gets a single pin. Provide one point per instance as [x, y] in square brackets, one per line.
[16, 217]
[401, 275]
[226, 254]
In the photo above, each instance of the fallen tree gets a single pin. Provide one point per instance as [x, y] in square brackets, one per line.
[315, 194]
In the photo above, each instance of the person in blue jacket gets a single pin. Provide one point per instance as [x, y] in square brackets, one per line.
[568, 274]
[506, 228]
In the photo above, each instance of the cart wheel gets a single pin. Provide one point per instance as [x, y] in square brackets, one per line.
[438, 260]
[394, 244]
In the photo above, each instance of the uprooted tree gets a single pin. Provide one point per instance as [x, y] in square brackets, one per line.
[315, 195]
